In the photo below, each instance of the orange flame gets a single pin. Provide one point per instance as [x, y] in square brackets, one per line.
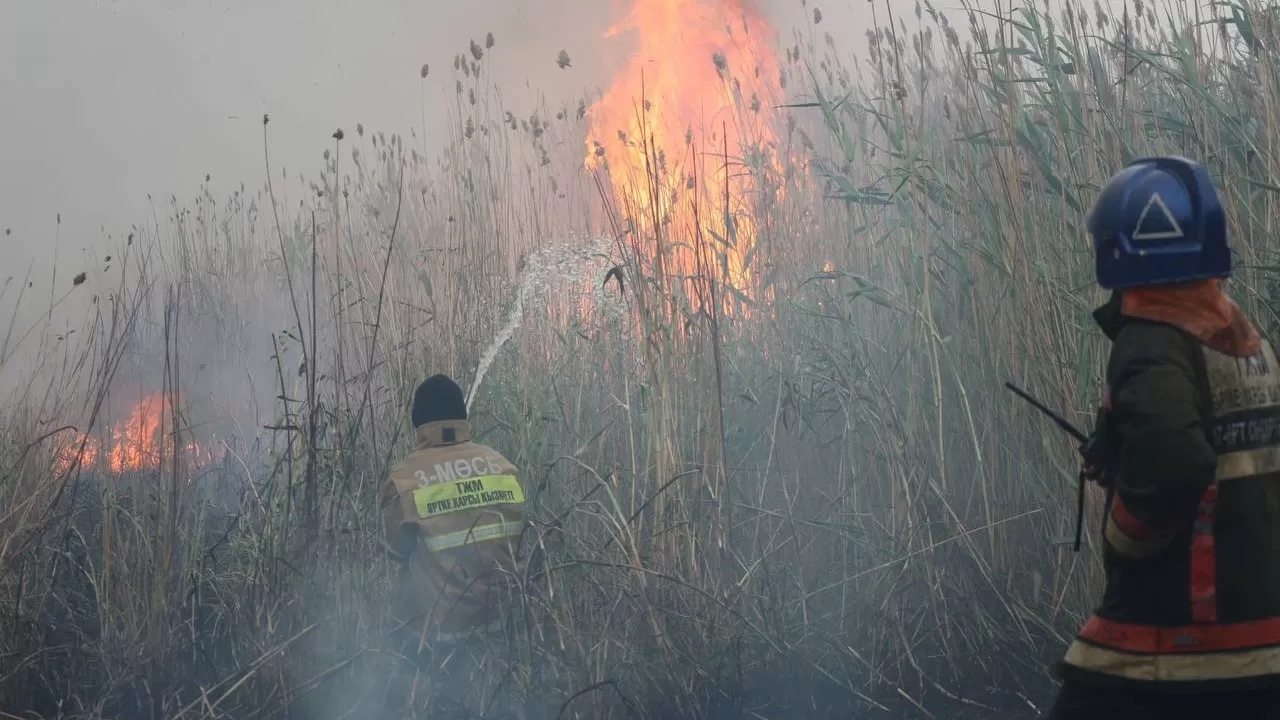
[144, 441]
[697, 89]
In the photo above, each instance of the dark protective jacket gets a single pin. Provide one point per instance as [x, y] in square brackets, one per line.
[1192, 533]
[453, 512]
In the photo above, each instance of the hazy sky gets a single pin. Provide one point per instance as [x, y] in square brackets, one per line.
[105, 101]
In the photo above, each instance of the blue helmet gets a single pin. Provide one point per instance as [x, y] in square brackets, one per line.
[1159, 221]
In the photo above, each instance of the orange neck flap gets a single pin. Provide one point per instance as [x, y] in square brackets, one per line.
[1200, 308]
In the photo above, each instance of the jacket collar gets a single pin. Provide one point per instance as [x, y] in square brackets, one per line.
[1199, 308]
[443, 432]
[1109, 317]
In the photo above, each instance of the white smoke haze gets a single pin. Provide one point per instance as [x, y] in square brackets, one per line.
[287, 215]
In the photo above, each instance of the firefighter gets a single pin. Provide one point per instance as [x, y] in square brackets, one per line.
[453, 514]
[1189, 623]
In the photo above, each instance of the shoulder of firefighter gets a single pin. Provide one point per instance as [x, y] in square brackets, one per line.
[1192, 532]
[453, 514]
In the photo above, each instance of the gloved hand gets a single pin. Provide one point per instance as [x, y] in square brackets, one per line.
[1097, 455]
[1091, 472]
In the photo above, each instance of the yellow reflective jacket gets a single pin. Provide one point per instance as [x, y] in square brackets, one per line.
[453, 512]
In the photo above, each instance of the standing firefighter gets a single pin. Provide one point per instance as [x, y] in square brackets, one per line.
[452, 511]
[1189, 624]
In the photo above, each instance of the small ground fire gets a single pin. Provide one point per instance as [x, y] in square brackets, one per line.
[143, 441]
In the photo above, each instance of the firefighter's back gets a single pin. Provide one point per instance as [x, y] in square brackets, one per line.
[453, 514]
[1189, 624]
[466, 501]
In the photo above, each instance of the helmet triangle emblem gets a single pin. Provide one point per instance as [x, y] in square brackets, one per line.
[1158, 226]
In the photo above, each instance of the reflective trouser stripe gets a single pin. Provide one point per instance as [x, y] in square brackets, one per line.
[1204, 571]
[1150, 640]
[1175, 667]
[475, 534]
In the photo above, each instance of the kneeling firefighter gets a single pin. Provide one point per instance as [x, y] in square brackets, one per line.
[453, 513]
[1189, 623]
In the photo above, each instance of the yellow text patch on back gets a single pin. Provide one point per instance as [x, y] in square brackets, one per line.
[444, 498]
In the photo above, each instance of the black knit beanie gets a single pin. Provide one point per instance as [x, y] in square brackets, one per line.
[439, 398]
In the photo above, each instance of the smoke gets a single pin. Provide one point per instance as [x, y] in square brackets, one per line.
[132, 131]
[117, 112]
[124, 118]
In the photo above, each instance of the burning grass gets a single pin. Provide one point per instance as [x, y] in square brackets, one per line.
[824, 504]
[662, 132]
[142, 441]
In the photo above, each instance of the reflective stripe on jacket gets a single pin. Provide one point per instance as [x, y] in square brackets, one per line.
[453, 509]
[1192, 534]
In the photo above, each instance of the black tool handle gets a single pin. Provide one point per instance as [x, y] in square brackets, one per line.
[1055, 417]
